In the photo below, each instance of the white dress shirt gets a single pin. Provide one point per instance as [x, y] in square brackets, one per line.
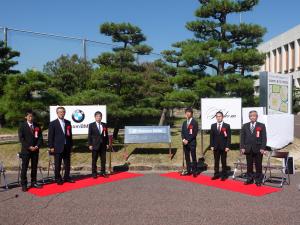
[221, 124]
[30, 125]
[62, 124]
[188, 121]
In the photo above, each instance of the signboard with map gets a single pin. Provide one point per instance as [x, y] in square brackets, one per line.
[276, 92]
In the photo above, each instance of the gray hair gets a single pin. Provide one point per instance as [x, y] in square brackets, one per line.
[253, 111]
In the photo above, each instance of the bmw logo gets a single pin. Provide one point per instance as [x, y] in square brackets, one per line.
[78, 116]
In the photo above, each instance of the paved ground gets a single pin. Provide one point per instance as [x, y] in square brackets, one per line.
[151, 199]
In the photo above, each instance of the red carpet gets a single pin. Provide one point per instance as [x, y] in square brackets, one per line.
[229, 185]
[51, 189]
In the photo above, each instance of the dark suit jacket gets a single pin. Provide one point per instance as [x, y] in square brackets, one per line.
[57, 139]
[95, 139]
[27, 137]
[218, 140]
[249, 141]
[185, 132]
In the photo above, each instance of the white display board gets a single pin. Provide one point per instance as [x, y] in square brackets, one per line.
[280, 129]
[259, 110]
[80, 116]
[231, 108]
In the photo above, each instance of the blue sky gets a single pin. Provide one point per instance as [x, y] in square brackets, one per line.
[162, 21]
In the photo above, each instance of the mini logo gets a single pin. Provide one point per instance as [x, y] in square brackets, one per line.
[78, 116]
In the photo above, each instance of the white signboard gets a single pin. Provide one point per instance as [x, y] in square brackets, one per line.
[280, 130]
[259, 110]
[231, 108]
[80, 116]
[276, 92]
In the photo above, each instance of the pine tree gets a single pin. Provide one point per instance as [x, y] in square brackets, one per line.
[122, 76]
[32, 88]
[70, 73]
[218, 48]
[7, 62]
[217, 44]
[6, 59]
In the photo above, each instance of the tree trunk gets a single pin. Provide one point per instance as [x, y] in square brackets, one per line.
[242, 71]
[116, 129]
[163, 117]
[2, 121]
[221, 68]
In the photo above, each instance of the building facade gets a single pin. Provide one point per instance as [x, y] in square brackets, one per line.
[283, 55]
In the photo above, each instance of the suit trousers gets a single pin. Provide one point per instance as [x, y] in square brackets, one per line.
[220, 154]
[34, 158]
[190, 152]
[95, 154]
[256, 158]
[66, 157]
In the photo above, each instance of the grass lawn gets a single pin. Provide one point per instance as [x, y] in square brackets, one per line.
[8, 131]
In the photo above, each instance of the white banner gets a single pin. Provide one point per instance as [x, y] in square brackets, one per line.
[80, 116]
[280, 129]
[231, 108]
[259, 110]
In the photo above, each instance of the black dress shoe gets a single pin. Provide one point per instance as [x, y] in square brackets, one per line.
[24, 188]
[69, 180]
[94, 176]
[215, 177]
[248, 181]
[258, 184]
[35, 185]
[59, 182]
[223, 178]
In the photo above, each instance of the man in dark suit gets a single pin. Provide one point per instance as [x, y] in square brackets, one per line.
[30, 136]
[253, 144]
[189, 133]
[60, 145]
[98, 143]
[220, 141]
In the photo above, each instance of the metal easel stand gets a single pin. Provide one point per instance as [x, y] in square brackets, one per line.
[110, 171]
[183, 170]
[2, 173]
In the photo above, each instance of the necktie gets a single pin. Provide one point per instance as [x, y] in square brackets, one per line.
[252, 127]
[188, 123]
[31, 128]
[219, 128]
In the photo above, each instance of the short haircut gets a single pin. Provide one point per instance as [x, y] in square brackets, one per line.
[189, 109]
[60, 107]
[220, 112]
[253, 111]
[98, 113]
[29, 111]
